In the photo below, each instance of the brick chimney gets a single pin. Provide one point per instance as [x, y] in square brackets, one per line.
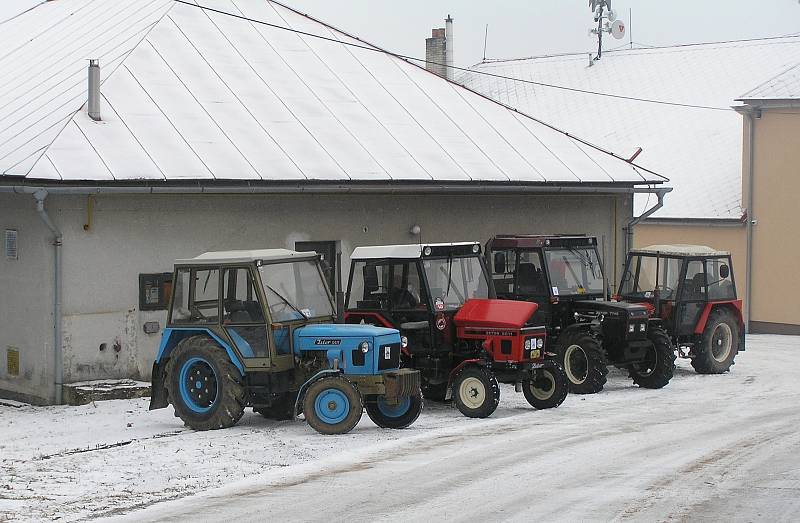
[439, 50]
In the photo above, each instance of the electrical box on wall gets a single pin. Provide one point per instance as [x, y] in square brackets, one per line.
[12, 361]
[10, 244]
[155, 291]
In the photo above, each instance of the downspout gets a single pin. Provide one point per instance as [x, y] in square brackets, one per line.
[751, 120]
[40, 196]
[660, 192]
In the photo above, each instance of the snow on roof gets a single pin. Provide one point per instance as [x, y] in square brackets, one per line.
[681, 249]
[192, 94]
[700, 150]
[399, 251]
[245, 256]
[785, 86]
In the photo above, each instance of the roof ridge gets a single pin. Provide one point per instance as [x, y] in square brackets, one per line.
[582, 54]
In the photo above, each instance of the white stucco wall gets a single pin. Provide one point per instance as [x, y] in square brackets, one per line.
[134, 234]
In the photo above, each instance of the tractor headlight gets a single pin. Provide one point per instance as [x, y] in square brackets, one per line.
[476, 248]
[539, 343]
[427, 251]
[403, 341]
[642, 327]
[631, 327]
[364, 346]
[528, 344]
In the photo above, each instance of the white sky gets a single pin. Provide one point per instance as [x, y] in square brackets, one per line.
[534, 27]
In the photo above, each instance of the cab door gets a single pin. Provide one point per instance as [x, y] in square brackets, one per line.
[692, 299]
[243, 316]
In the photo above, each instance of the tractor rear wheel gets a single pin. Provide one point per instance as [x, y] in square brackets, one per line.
[719, 344]
[398, 416]
[476, 392]
[548, 388]
[282, 408]
[583, 361]
[332, 405]
[659, 364]
[203, 385]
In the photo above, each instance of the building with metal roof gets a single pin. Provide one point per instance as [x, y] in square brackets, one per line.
[136, 133]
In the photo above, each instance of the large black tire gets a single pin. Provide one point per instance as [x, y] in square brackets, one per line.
[282, 408]
[203, 385]
[476, 392]
[583, 361]
[719, 344]
[332, 405]
[394, 417]
[659, 365]
[548, 388]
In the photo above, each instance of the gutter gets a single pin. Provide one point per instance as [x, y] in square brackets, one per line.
[40, 196]
[326, 188]
[660, 193]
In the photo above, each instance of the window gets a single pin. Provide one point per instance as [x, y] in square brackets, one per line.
[241, 303]
[455, 280]
[504, 263]
[720, 279]
[386, 286]
[12, 252]
[295, 290]
[642, 281]
[574, 271]
[694, 283]
[196, 296]
[155, 291]
[530, 278]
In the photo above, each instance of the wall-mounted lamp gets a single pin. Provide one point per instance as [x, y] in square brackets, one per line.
[415, 230]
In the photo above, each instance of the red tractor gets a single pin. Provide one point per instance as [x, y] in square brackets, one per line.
[463, 341]
[692, 290]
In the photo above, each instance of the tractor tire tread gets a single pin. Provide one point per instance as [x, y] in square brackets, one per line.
[597, 373]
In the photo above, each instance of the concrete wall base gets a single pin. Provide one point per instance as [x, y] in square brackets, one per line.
[765, 327]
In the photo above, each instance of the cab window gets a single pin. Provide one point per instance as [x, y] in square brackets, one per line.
[720, 280]
[196, 297]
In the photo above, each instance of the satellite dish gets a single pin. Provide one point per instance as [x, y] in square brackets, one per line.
[618, 29]
[611, 15]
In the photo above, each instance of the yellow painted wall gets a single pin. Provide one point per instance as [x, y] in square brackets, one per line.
[776, 207]
[723, 238]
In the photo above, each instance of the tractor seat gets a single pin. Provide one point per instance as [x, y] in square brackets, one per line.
[530, 278]
[236, 312]
[414, 325]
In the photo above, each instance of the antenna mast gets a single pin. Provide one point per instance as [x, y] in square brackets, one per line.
[607, 22]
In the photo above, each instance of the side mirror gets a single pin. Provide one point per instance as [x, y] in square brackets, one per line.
[499, 263]
[724, 271]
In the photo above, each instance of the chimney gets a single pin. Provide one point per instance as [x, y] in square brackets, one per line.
[448, 43]
[93, 107]
[439, 50]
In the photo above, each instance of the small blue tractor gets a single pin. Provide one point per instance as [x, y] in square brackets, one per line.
[254, 329]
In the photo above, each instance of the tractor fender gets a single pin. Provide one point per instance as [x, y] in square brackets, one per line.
[301, 393]
[735, 306]
[578, 327]
[172, 336]
[158, 393]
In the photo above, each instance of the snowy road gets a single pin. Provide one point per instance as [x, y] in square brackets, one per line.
[716, 447]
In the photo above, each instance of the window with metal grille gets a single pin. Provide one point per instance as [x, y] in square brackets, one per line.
[11, 244]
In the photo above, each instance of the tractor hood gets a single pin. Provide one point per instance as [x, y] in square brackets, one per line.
[501, 314]
[323, 330]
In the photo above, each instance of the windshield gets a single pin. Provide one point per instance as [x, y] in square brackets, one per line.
[574, 271]
[454, 280]
[295, 291]
[645, 274]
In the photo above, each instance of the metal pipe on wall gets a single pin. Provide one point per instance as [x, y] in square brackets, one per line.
[58, 380]
[660, 193]
[751, 120]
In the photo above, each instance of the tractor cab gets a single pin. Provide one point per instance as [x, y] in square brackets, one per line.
[688, 286]
[255, 329]
[563, 275]
[440, 298]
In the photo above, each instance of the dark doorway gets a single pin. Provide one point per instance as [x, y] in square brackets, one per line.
[327, 252]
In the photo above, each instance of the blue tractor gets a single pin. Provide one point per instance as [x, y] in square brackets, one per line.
[255, 329]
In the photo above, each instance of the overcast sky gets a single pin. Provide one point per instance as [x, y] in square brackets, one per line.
[534, 27]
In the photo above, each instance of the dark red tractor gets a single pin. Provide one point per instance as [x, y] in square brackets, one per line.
[692, 290]
[463, 341]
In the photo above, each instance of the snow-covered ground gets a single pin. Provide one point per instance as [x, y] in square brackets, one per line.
[705, 447]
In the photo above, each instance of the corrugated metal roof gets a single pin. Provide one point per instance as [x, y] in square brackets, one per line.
[700, 150]
[785, 86]
[190, 94]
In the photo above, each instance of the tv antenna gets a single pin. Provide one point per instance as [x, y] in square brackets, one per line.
[607, 22]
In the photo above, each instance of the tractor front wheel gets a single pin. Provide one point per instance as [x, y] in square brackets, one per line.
[476, 392]
[203, 385]
[583, 361]
[397, 416]
[332, 405]
[548, 388]
[659, 364]
[719, 345]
